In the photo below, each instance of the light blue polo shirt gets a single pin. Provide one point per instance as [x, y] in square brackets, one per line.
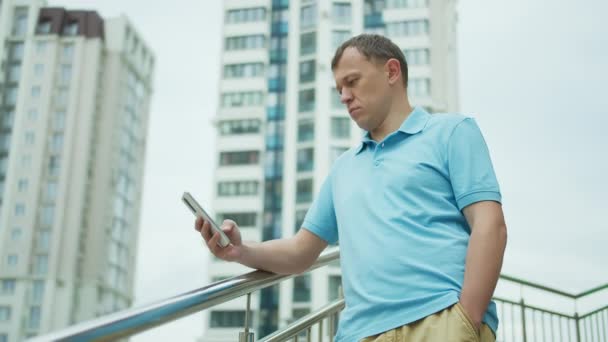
[396, 209]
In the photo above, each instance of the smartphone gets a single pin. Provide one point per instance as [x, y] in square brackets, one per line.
[198, 211]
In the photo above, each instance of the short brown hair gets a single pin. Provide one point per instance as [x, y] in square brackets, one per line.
[375, 48]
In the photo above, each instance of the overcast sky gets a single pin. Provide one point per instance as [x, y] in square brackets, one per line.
[532, 73]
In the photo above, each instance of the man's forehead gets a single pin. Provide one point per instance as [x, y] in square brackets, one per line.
[340, 75]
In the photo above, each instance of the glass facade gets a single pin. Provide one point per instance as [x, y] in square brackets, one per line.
[273, 165]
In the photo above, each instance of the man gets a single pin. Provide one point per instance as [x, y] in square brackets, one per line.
[416, 208]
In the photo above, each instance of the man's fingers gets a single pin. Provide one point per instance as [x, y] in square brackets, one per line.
[206, 231]
[198, 224]
[212, 243]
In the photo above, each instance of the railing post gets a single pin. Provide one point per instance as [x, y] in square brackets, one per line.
[246, 336]
[577, 321]
[578, 328]
[523, 319]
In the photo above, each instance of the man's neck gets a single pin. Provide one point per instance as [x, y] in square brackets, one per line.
[393, 121]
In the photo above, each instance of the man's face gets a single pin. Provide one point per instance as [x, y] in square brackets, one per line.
[364, 88]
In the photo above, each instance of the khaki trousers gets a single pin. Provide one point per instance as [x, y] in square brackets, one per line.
[449, 325]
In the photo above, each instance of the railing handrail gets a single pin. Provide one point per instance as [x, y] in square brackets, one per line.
[297, 326]
[553, 290]
[134, 320]
[131, 321]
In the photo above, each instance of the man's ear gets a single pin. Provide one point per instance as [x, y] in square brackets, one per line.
[393, 70]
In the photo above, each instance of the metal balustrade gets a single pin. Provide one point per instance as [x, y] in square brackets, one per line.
[519, 320]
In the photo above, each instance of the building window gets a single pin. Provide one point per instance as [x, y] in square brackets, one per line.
[38, 70]
[419, 87]
[241, 219]
[8, 286]
[407, 3]
[16, 234]
[235, 127]
[240, 188]
[408, 28]
[335, 281]
[306, 130]
[301, 288]
[34, 319]
[20, 209]
[51, 191]
[417, 56]
[56, 142]
[304, 191]
[306, 160]
[40, 264]
[246, 15]
[227, 319]
[47, 215]
[16, 52]
[306, 100]
[10, 96]
[54, 166]
[242, 99]
[20, 22]
[26, 161]
[67, 52]
[61, 97]
[5, 138]
[65, 74]
[239, 158]
[30, 138]
[12, 259]
[43, 240]
[338, 37]
[341, 13]
[308, 43]
[32, 114]
[37, 291]
[308, 16]
[307, 71]
[71, 29]
[44, 27]
[59, 120]
[5, 313]
[340, 128]
[300, 215]
[3, 165]
[243, 70]
[14, 73]
[256, 41]
[35, 92]
[22, 185]
[335, 152]
[40, 47]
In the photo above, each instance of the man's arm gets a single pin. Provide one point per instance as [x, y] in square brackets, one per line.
[484, 256]
[283, 256]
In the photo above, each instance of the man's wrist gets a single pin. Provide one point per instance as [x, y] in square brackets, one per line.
[475, 316]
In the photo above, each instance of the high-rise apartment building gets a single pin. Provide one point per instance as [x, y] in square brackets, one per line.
[75, 92]
[281, 124]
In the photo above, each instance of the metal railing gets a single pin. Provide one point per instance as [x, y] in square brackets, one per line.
[132, 321]
[520, 321]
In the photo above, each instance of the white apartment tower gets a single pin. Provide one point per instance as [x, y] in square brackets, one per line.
[281, 124]
[75, 92]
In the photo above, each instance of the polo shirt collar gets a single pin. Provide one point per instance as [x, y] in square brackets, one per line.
[414, 124]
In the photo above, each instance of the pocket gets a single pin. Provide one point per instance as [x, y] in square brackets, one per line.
[466, 319]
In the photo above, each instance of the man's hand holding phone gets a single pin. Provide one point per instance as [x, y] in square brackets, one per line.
[232, 252]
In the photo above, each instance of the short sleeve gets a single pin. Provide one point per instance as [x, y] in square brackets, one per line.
[321, 217]
[471, 172]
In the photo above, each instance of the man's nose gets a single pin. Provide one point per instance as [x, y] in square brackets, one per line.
[346, 96]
